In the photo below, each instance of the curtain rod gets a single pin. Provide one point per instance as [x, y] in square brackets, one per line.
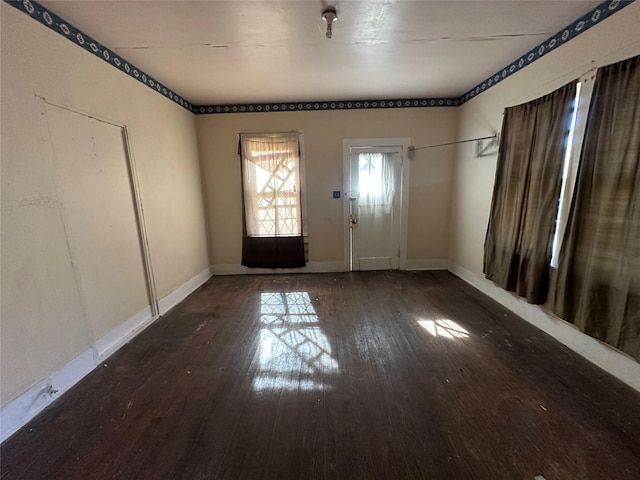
[413, 149]
[271, 134]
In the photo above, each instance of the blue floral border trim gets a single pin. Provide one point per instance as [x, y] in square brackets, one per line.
[581, 25]
[328, 105]
[64, 28]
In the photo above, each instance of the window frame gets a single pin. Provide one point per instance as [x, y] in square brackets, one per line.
[302, 182]
[584, 92]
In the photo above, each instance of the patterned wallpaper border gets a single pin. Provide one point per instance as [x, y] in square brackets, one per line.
[64, 28]
[329, 105]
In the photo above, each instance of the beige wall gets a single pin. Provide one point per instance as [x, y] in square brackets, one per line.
[431, 170]
[616, 38]
[43, 325]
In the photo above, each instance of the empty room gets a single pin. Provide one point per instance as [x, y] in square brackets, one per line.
[320, 239]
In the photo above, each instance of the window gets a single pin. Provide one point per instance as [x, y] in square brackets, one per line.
[273, 222]
[598, 274]
[523, 216]
[271, 170]
[376, 180]
[590, 214]
[575, 136]
[370, 178]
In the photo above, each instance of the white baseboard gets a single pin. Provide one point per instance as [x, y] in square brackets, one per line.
[430, 264]
[604, 356]
[170, 300]
[112, 341]
[320, 267]
[19, 411]
[312, 267]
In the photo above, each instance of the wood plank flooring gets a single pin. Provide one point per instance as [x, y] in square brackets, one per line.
[378, 375]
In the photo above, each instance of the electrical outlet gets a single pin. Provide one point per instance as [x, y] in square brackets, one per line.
[336, 194]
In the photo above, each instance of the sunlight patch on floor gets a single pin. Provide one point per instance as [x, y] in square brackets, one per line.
[294, 353]
[444, 328]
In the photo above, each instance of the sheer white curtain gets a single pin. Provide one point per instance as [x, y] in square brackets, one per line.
[376, 181]
[271, 184]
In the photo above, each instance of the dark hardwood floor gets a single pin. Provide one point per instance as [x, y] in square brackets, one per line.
[380, 375]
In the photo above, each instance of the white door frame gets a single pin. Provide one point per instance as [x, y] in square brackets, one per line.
[137, 201]
[403, 143]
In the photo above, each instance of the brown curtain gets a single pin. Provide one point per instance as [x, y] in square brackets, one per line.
[273, 252]
[599, 266]
[518, 245]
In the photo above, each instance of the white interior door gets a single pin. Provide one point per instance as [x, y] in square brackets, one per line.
[97, 199]
[375, 188]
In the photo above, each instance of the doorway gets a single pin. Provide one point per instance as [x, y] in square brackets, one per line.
[376, 197]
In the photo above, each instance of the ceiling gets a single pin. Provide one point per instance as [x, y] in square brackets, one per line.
[233, 52]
